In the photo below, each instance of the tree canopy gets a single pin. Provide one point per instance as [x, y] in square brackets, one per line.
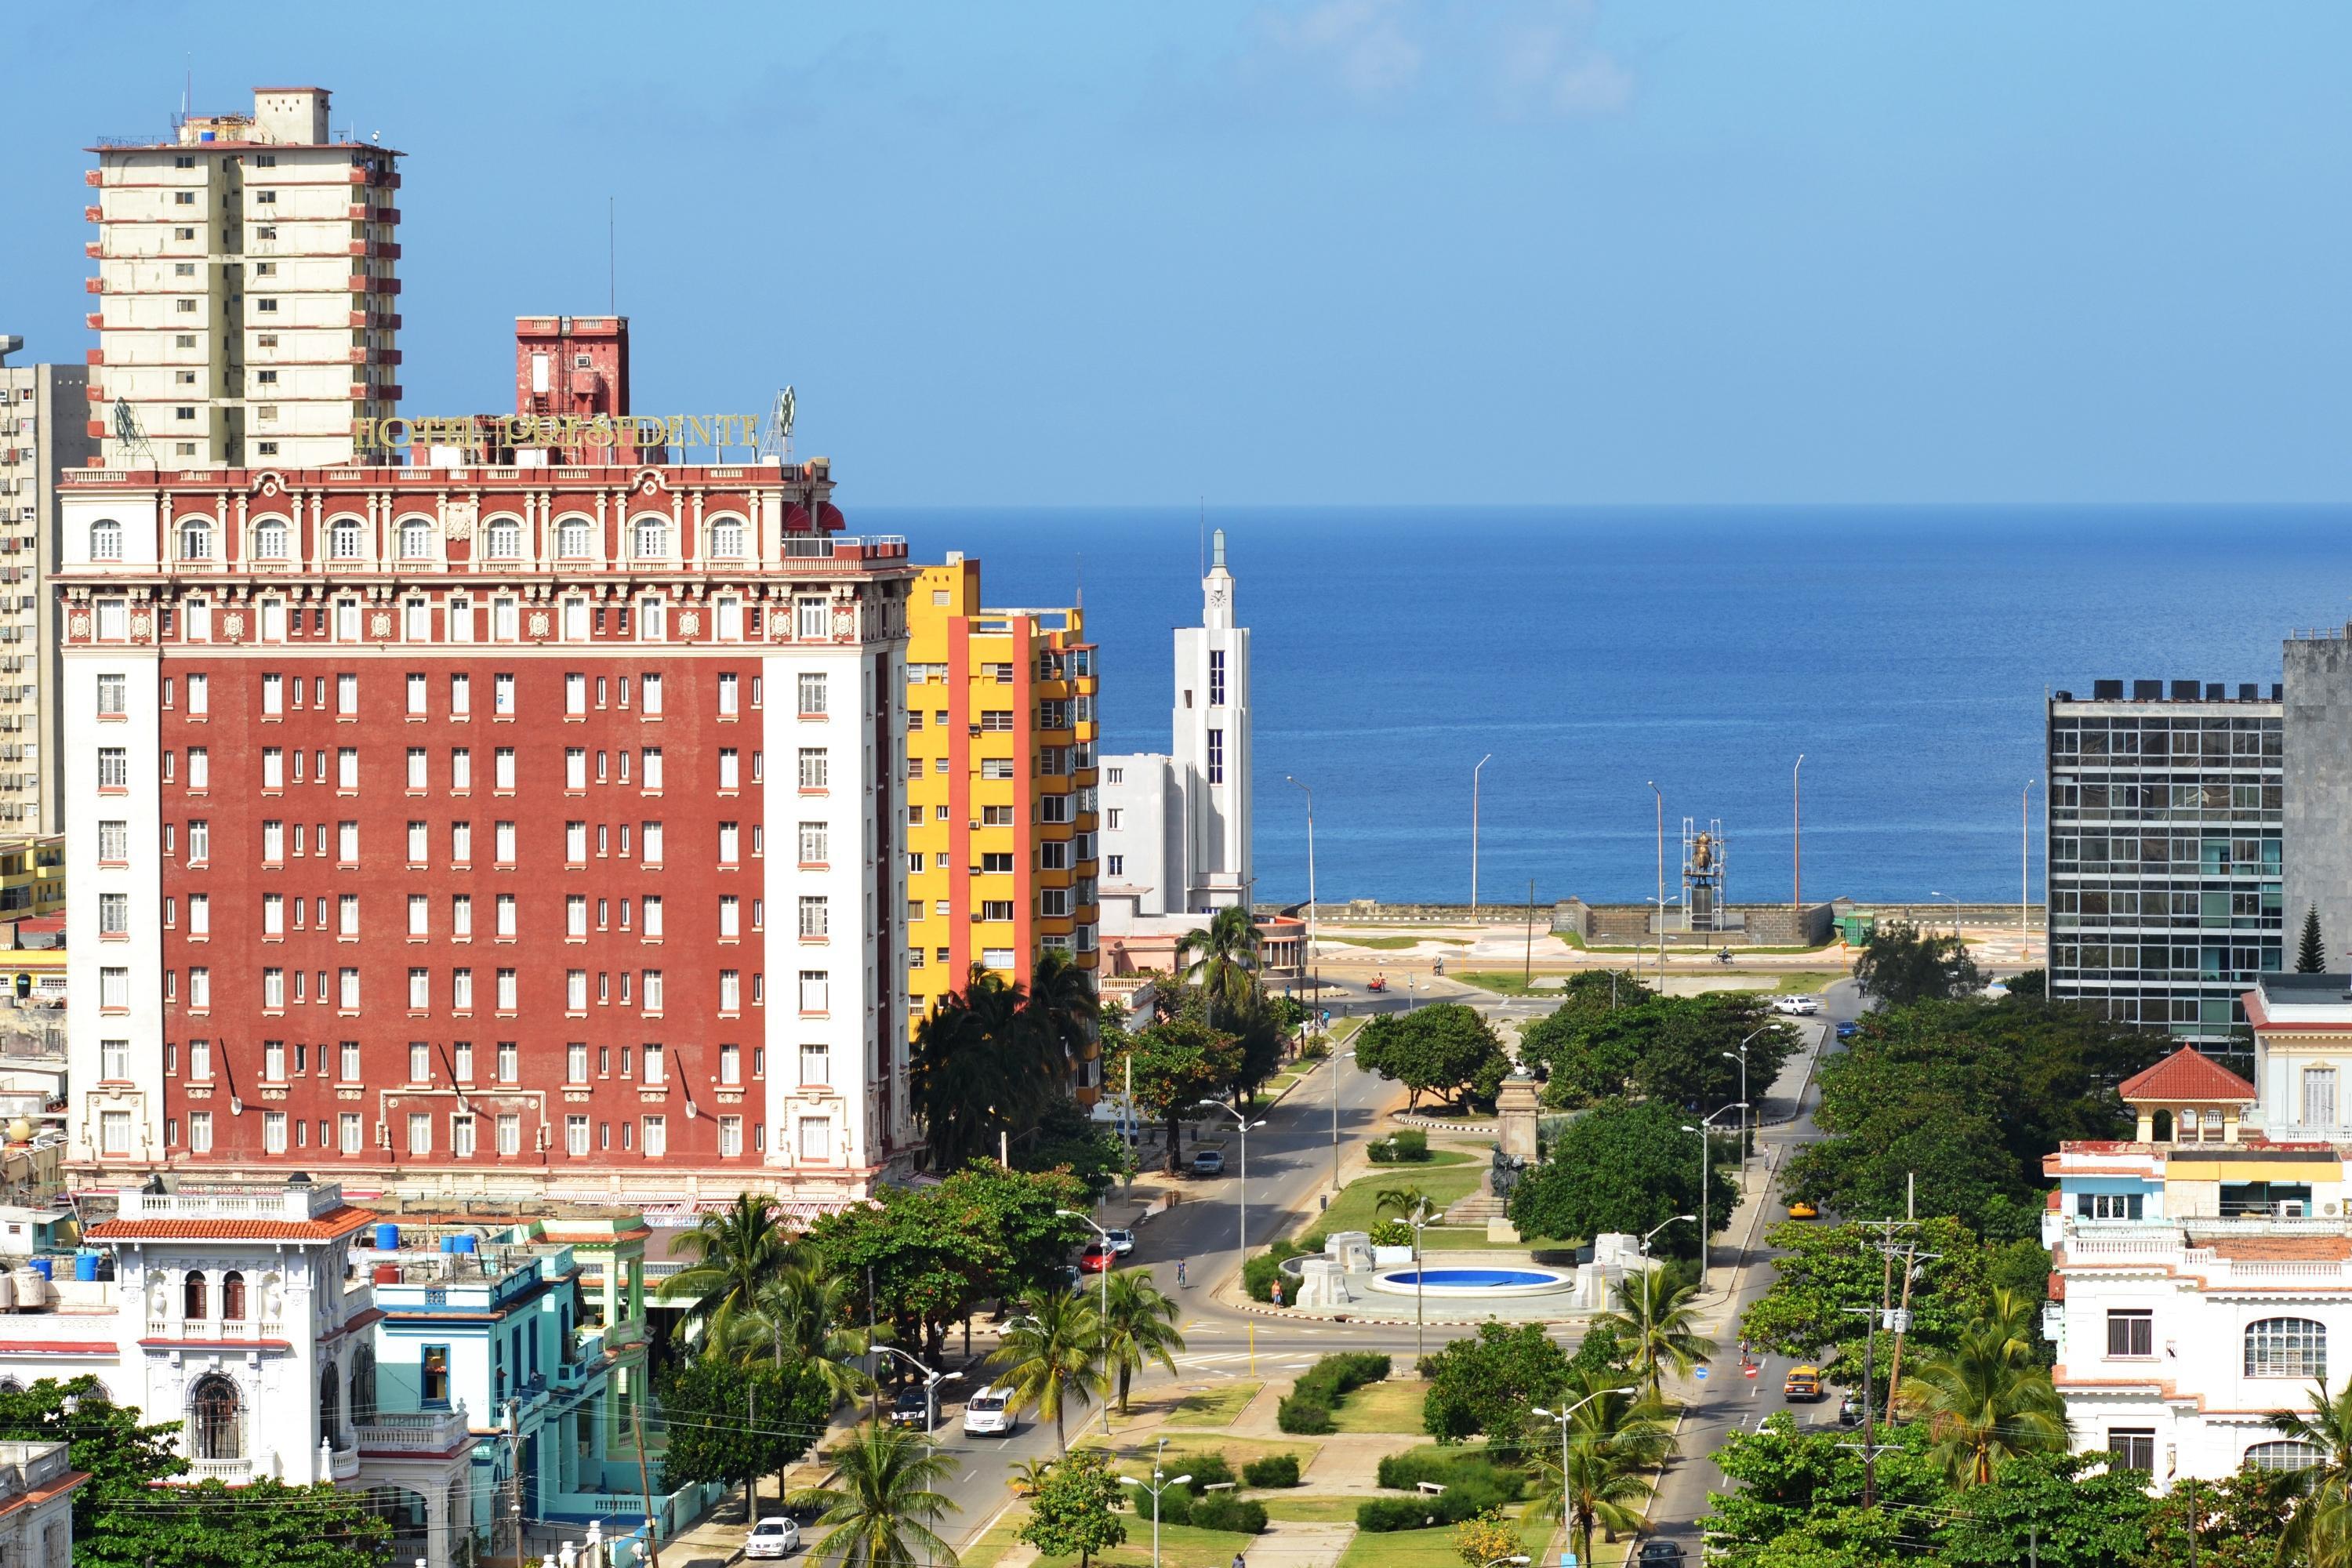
[1626, 1167]
[1901, 964]
[1074, 1513]
[1489, 1383]
[1447, 1050]
[1172, 1067]
[730, 1423]
[1682, 1051]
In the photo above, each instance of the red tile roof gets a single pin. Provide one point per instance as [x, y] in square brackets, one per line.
[326, 1227]
[2187, 1074]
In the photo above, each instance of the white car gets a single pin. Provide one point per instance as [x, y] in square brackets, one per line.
[989, 1414]
[1803, 1006]
[1122, 1242]
[772, 1537]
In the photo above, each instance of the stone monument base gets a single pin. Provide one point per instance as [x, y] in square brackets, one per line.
[1502, 1231]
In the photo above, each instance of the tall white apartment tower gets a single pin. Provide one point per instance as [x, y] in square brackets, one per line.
[247, 300]
[1176, 833]
[44, 418]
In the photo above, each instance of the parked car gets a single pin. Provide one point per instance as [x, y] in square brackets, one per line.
[1802, 1007]
[1095, 1259]
[1122, 1241]
[1207, 1163]
[772, 1537]
[1847, 1028]
[912, 1407]
[1850, 1410]
[1658, 1554]
[1801, 1210]
[1804, 1385]
[989, 1414]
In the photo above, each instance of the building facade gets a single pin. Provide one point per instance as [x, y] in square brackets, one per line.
[522, 831]
[2166, 859]
[43, 427]
[1176, 827]
[246, 300]
[2317, 694]
[1000, 785]
[38, 1482]
[2203, 1269]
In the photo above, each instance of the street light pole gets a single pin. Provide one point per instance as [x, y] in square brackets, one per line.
[1956, 910]
[1797, 834]
[1474, 835]
[1419, 1222]
[1662, 882]
[1563, 1417]
[1705, 1171]
[1241, 1210]
[1337, 1058]
[931, 1381]
[1107, 1254]
[1155, 1486]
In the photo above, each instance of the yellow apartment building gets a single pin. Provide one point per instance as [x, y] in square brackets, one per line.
[1001, 786]
[33, 875]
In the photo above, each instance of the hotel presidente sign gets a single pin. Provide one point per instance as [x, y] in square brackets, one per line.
[525, 430]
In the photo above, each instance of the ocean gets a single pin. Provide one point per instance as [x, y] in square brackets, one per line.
[1904, 651]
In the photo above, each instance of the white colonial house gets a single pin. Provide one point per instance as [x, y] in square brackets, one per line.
[2202, 1270]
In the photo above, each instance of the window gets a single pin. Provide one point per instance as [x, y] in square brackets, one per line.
[215, 1415]
[347, 1064]
[461, 696]
[2108, 1205]
[811, 695]
[575, 1136]
[200, 914]
[343, 543]
[730, 837]
[106, 540]
[817, 1137]
[572, 538]
[114, 1060]
[2131, 1334]
[506, 988]
[1117, 865]
[420, 990]
[273, 1132]
[2131, 1448]
[416, 765]
[652, 542]
[815, 916]
[415, 540]
[816, 1065]
[348, 1138]
[420, 922]
[2287, 1347]
[575, 693]
[729, 773]
[727, 539]
[810, 620]
[347, 767]
[813, 767]
[505, 539]
[656, 1137]
[114, 990]
[347, 914]
[575, 1062]
[2287, 1456]
[461, 1135]
[420, 1062]
[347, 695]
[575, 990]
[200, 700]
[731, 916]
[652, 768]
[813, 843]
[461, 842]
[510, 1129]
[114, 914]
[114, 768]
[433, 1367]
[502, 694]
[575, 767]
[730, 1135]
[503, 770]
[200, 1131]
[110, 704]
[653, 694]
[1216, 756]
[812, 991]
[506, 843]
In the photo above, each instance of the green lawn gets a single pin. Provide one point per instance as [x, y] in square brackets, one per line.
[1431, 1548]
[1437, 1156]
[1181, 1546]
[1283, 1505]
[984, 1552]
[1392, 944]
[1219, 1406]
[1352, 1209]
[1394, 1406]
[1135, 1457]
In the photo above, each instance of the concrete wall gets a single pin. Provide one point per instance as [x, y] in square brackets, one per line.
[1756, 925]
[2318, 852]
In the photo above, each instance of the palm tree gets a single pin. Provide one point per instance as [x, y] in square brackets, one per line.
[1138, 1326]
[1052, 1355]
[1987, 1400]
[735, 1251]
[1660, 1325]
[800, 1317]
[1220, 956]
[1404, 1200]
[884, 1503]
[2319, 1530]
[985, 1063]
[1616, 1434]
[1062, 998]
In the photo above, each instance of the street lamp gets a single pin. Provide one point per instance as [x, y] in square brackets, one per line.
[1742, 1060]
[1419, 1220]
[1797, 836]
[1107, 1254]
[1337, 1058]
[1649, 1290]
[1155, 1485]
[1474, 835]
[931, 1381]
[1241, 1211]
[1705, 1123]
[1563, 1417]
[1956, 910]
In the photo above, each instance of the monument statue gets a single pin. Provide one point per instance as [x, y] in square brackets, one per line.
[1505, 1173]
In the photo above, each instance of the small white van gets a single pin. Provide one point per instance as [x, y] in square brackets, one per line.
[989, 1414]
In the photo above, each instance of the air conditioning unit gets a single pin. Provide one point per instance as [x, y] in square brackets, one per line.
[2291, 1208]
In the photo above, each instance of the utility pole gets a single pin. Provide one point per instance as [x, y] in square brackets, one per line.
[645, 1474]
[1474, 835]
[514, 1478]
[1879, 1318]
[1527, 973]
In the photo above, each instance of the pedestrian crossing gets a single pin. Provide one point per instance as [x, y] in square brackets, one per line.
[1263, 1358]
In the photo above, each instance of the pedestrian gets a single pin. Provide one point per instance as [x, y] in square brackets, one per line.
[1277, 1292]
[1180, 1274]
[1240, 1562]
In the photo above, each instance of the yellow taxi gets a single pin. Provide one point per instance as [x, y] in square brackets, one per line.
[1801, 1210]
[1805, 1384]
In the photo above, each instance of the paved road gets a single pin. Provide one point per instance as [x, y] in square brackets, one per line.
[1726, 1403]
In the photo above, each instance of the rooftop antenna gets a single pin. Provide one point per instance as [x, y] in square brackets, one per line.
[1204, 536]
[612, 263]
[1082, 580]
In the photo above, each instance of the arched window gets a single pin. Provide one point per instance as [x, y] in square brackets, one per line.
[10, 1385]
[269, 540]
[194, 1299]
[216, 1419]
[106, 540]
[415, 540]
[343, 540]
[505, 540]
[195, 539]
[2160, 1127]
[727, 540]
[2287, 1347]
[232, 1297]
[2283, 1456]
[653, 539]
[572, 538]
[330, 1405]
[363, 1385]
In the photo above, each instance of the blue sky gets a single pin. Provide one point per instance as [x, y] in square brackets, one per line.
[1351, 251]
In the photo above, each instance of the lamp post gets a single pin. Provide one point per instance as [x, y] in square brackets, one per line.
[931, 1381]
[1742, 1060]
[1474, 835]
[1337, 1058]
[1317, 979]
[1705, 1123]
[1561, 1416]
[1661, 881]
[1155, 1485]
[1797, 834]
[1107, 1254]
[1648, 1294]
[1420, 1222]
[1241, 1211]
[2024, 871]
[1956, 910]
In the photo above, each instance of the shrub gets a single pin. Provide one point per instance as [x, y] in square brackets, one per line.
[1175, 1506]
[1455, 1472]
[1259, 1273]
[1387, 1514]
[1274, 1471]
[1207, 1470]
[1304, 1417]
[1407, 1146]
[1392, 1233]
[1335, 1377]
[1222, 1510]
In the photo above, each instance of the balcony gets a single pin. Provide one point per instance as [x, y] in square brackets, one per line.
[233, 1329]
[231, 1472]
[412, 1432]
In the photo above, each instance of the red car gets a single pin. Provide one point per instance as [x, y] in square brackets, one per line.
[1096, 1258]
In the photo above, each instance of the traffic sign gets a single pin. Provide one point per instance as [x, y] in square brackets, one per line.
[1700, 1372]
[1750, 1368]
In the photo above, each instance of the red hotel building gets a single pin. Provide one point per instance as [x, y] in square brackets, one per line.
[522, 831]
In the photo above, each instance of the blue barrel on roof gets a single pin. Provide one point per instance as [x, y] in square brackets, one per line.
[387, 1239]
[461, 1241]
